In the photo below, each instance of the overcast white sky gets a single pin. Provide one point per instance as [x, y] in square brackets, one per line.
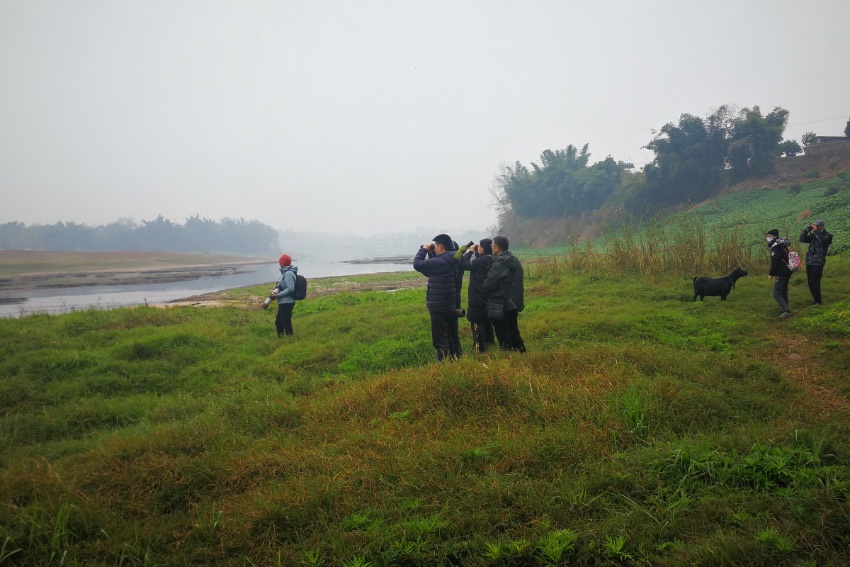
[373, 116]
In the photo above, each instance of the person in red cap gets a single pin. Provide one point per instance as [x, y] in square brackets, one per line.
[284, 292]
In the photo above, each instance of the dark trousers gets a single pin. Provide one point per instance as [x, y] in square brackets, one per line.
[780, 292]
[454, 338]
[440, 323]
[482, 335]
[283, 321]
[507, 332]
[814, 274]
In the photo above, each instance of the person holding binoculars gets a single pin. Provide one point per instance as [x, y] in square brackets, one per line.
[818, 239]
[477, 261]
[435, 260]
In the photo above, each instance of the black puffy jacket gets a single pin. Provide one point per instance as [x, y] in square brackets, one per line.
[477, 267]
[504, 281]
[818, 241]
[440, 270]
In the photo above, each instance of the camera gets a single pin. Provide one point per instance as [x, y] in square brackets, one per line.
[460, 312]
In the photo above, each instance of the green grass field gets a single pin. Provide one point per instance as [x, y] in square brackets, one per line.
[640, 429]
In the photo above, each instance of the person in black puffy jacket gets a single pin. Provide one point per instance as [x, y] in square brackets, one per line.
[818, 239]
[779, 270]
[436, 261]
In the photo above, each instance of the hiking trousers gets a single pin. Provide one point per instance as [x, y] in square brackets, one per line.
[507, 332]
[482, 335]
[780, 292]
[283, 320]
[440, 323]
[814, 273]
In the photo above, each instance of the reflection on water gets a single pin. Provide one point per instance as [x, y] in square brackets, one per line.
[56, 301]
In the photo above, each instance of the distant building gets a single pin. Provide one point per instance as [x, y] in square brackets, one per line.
[830, 139]
[828, 146]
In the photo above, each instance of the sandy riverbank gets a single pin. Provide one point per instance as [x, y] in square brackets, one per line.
[21, 270]
[317, 287]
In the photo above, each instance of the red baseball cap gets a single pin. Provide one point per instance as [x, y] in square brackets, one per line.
[284, 260]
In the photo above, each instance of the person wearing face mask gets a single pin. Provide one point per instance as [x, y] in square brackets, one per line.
[780, 273]
[818, 239]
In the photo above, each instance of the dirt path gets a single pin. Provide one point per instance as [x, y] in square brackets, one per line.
[821, 397]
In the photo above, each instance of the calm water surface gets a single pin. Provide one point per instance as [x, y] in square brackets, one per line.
[58, 301]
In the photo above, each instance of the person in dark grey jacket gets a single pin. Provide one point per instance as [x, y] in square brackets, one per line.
[436, 261]
[505, 282]
[818, 239]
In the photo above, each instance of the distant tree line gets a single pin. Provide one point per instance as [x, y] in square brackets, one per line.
[196, 235]
[694, 158]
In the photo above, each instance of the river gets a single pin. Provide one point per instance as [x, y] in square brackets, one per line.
[19, 303]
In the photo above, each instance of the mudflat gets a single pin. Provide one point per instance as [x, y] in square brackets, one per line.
[37, 269]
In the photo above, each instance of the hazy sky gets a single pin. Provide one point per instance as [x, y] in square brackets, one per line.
[369, 116]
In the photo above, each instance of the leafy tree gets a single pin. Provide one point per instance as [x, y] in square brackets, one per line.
[808, 139]
[689, 160]
[754, 142]
[562, 184]
[789, 148]
[847, 129]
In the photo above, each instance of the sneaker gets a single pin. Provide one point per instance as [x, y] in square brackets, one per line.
[785, 315]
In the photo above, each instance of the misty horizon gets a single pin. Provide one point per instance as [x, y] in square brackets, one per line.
[371, 118]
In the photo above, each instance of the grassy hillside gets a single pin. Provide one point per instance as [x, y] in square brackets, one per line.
[744, 215]
[640, 429]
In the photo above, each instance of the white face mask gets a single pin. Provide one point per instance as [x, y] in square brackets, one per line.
[769, 239]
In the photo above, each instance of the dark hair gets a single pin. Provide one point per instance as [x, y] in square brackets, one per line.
[501, 242]
[445, 240]
[774, 232]
[486, 244]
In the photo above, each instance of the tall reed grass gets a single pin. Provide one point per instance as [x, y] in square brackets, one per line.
[684, 248]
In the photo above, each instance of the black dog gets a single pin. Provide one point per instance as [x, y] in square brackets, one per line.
[717, 286]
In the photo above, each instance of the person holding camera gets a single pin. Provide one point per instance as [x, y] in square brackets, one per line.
[436, 262]
[284, 292]
[818, 239]
[476, 309]
[504, 282]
